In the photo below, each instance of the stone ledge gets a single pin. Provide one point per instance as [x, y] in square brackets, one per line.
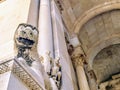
[22, 73]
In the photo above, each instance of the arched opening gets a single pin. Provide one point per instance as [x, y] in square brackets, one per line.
[106, 66]
[99, 9]
[100, 32]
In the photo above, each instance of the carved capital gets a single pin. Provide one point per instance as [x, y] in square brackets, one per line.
[78, 60]
[78, 57]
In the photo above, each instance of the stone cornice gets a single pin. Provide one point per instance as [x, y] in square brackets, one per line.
[21, 73]
[6, 66]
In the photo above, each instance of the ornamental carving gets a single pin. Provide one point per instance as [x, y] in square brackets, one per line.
[53, 69]
[15, 66]
[25, 39]
[113, 84]
[78, 59]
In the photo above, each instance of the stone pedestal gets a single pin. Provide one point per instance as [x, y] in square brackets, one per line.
[8, 81]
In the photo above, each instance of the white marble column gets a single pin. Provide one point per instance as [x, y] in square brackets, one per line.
[78, 60]
[33, 12]
[83, 83]
[45, 40]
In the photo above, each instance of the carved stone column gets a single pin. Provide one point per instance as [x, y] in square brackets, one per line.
[78, 61]
[33, 13]
[45, 40]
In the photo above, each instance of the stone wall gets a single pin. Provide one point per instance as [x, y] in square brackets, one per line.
[12, 12]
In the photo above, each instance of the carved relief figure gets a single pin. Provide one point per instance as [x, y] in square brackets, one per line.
[56, 72]
[26, 37]
[25, 43]
[47, 62]
[53, 70]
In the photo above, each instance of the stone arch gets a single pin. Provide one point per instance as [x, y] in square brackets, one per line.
[106, 63]
[108, 6]
[101, 45]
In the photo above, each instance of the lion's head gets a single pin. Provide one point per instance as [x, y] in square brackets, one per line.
[26, 36]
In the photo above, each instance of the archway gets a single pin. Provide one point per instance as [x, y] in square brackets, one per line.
[107, 63]
[102, 8]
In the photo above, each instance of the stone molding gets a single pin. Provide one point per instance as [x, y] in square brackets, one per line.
[52, 68]
[14, 66]
[6, 66]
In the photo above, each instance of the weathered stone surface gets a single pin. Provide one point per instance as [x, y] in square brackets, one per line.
[107, 63]
[99, 29]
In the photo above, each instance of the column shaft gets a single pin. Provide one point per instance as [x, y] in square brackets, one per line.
[33, 13]
[78, 59]
[82, 80]
[45, 41]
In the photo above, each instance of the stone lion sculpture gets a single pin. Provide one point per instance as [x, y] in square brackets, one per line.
[25, 42]
[26, 36]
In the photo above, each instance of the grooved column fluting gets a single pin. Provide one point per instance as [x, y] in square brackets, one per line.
[45, 40]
